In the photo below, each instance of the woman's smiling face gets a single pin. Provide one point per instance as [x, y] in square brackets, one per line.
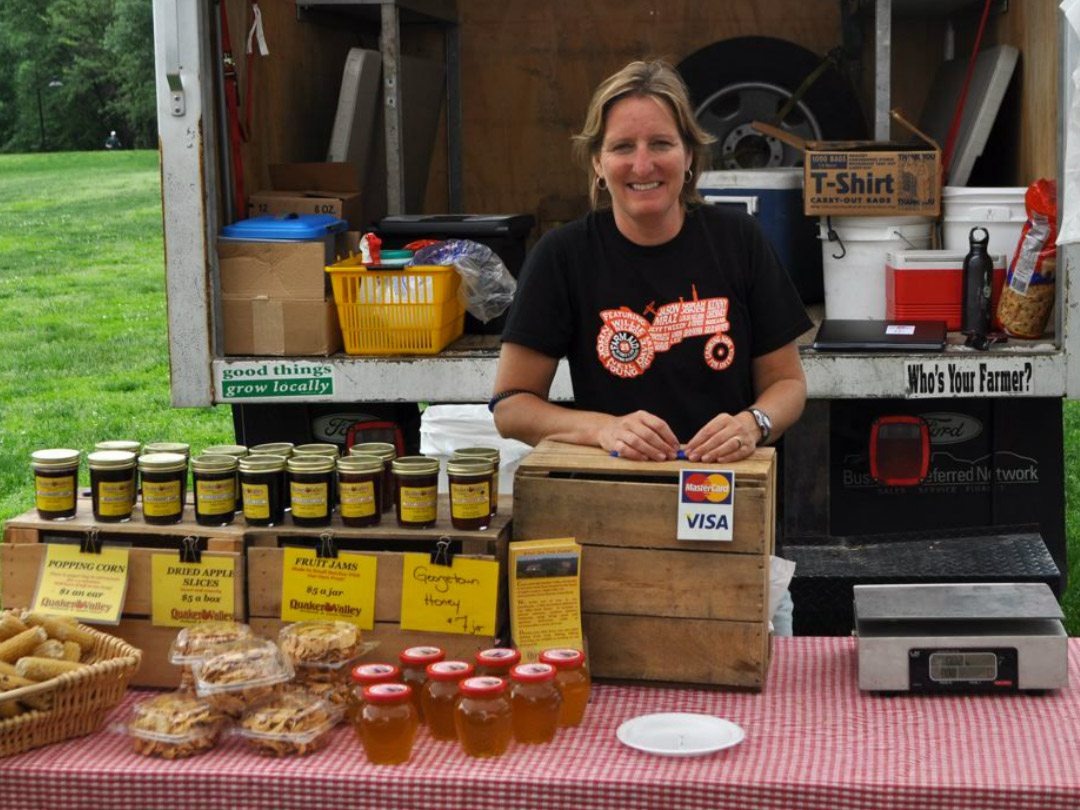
[644, 162]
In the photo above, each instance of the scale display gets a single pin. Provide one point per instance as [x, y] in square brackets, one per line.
[940, 670]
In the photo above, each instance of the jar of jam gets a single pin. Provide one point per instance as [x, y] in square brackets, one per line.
[416, 482]
[163, 476]
[237, 451]
[574, 682]
[482, 718]
[262, 480]
[127, 445]
[327, 449]
[360, 480]
[363, 676]
[414, 664]
[180, 448]
[310, 478]
[387, 452]
[440, 695]
[536, 702]
[284, 449]
[497, 661]
[214, 481]
[56, 482]
[491, 454]
[112, 484]
[387, 723]
[470, 493]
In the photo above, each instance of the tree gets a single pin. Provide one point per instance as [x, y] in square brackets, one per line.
[71, 70]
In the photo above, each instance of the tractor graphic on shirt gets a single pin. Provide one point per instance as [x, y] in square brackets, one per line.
[628, 343]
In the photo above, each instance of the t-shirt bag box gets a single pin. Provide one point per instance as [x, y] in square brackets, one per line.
[654, 607]
[868, 178]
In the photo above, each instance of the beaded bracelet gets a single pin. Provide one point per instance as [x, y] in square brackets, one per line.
[495, 400]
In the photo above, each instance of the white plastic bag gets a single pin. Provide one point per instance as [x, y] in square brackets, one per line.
[446, 428]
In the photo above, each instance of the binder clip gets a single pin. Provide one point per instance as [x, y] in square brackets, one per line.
[327, 547]
[91, 541]
[190, 551]
[442, 553]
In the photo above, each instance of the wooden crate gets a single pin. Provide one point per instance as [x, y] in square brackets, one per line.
[655, 608]
[22, 553]
[387, 542]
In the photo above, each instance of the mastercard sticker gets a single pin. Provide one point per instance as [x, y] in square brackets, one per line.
[706, 504]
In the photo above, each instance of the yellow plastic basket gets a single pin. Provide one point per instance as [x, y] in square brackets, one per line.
[414, 310]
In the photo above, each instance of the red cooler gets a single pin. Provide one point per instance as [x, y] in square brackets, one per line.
[927, 285]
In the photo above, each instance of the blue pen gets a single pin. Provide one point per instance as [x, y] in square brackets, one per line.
[680, 454]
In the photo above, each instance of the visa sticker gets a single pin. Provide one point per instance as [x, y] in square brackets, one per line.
[706, 505]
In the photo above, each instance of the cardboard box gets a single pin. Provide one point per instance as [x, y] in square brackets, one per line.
[655, 608]
[387, 542]
[313, 188]
[276, 299]
[278, 327]
[23, 551]
[868, 178]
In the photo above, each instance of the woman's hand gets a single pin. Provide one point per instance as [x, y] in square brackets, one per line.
[725, 438]
[639, 436]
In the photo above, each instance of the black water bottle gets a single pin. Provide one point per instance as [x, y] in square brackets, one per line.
[978, 271]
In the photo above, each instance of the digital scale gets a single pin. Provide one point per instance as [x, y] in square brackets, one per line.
[949, 638]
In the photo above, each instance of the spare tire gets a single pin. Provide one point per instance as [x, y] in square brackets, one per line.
[736, 81]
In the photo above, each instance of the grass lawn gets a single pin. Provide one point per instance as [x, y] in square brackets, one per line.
[83, 336]
[83, 340]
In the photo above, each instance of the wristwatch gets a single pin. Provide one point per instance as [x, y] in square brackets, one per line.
[764, 423]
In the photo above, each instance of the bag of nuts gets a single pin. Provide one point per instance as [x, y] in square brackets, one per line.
[1027, 298]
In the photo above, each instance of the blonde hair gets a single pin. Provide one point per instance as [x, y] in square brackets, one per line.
[656, 79]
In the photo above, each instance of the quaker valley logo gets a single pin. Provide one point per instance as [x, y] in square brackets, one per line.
[627, 342]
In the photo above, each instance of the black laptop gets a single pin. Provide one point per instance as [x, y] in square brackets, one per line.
[880, 336]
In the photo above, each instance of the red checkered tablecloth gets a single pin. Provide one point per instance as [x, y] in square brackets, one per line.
[812, 741]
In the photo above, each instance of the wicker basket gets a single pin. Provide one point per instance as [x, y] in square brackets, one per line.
[79, 701]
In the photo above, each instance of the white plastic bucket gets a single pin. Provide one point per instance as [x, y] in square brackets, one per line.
[999, 210]
[854, 264]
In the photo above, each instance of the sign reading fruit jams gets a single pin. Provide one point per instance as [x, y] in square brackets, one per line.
[706, 504]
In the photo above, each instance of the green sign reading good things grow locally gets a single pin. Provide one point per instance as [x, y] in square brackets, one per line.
[275, 379]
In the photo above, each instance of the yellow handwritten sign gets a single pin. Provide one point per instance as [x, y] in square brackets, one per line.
[87, 587]
[183, 593]
[328, 588]
[449, 599]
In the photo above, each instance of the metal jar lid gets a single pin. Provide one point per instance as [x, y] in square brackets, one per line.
[317, 449]
[162, 462]
[262, 463]
[383, 450]
[130, 445]
[111, 460]
[234, 450]
[415, 466]
[310, 464]
[56, 458]
[360, 463]
[211, 463]
[272, 448]
[475, 466]
[181, 448]
[478, 452]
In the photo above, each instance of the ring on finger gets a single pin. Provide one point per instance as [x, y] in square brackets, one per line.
[739, 440]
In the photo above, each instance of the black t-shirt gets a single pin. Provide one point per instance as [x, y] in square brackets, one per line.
[671, 328]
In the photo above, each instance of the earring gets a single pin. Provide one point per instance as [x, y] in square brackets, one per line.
[689, 175]
[601, 183]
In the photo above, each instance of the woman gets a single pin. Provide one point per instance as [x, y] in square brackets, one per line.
[677, 320]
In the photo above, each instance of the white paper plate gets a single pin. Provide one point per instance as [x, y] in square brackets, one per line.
[679, 734]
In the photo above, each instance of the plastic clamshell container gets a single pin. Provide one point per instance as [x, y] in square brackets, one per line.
[301, 721]
[235, 676]
[321, 645]
[192, 643]
[287, 228]
[174, 725]
[415, 310]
